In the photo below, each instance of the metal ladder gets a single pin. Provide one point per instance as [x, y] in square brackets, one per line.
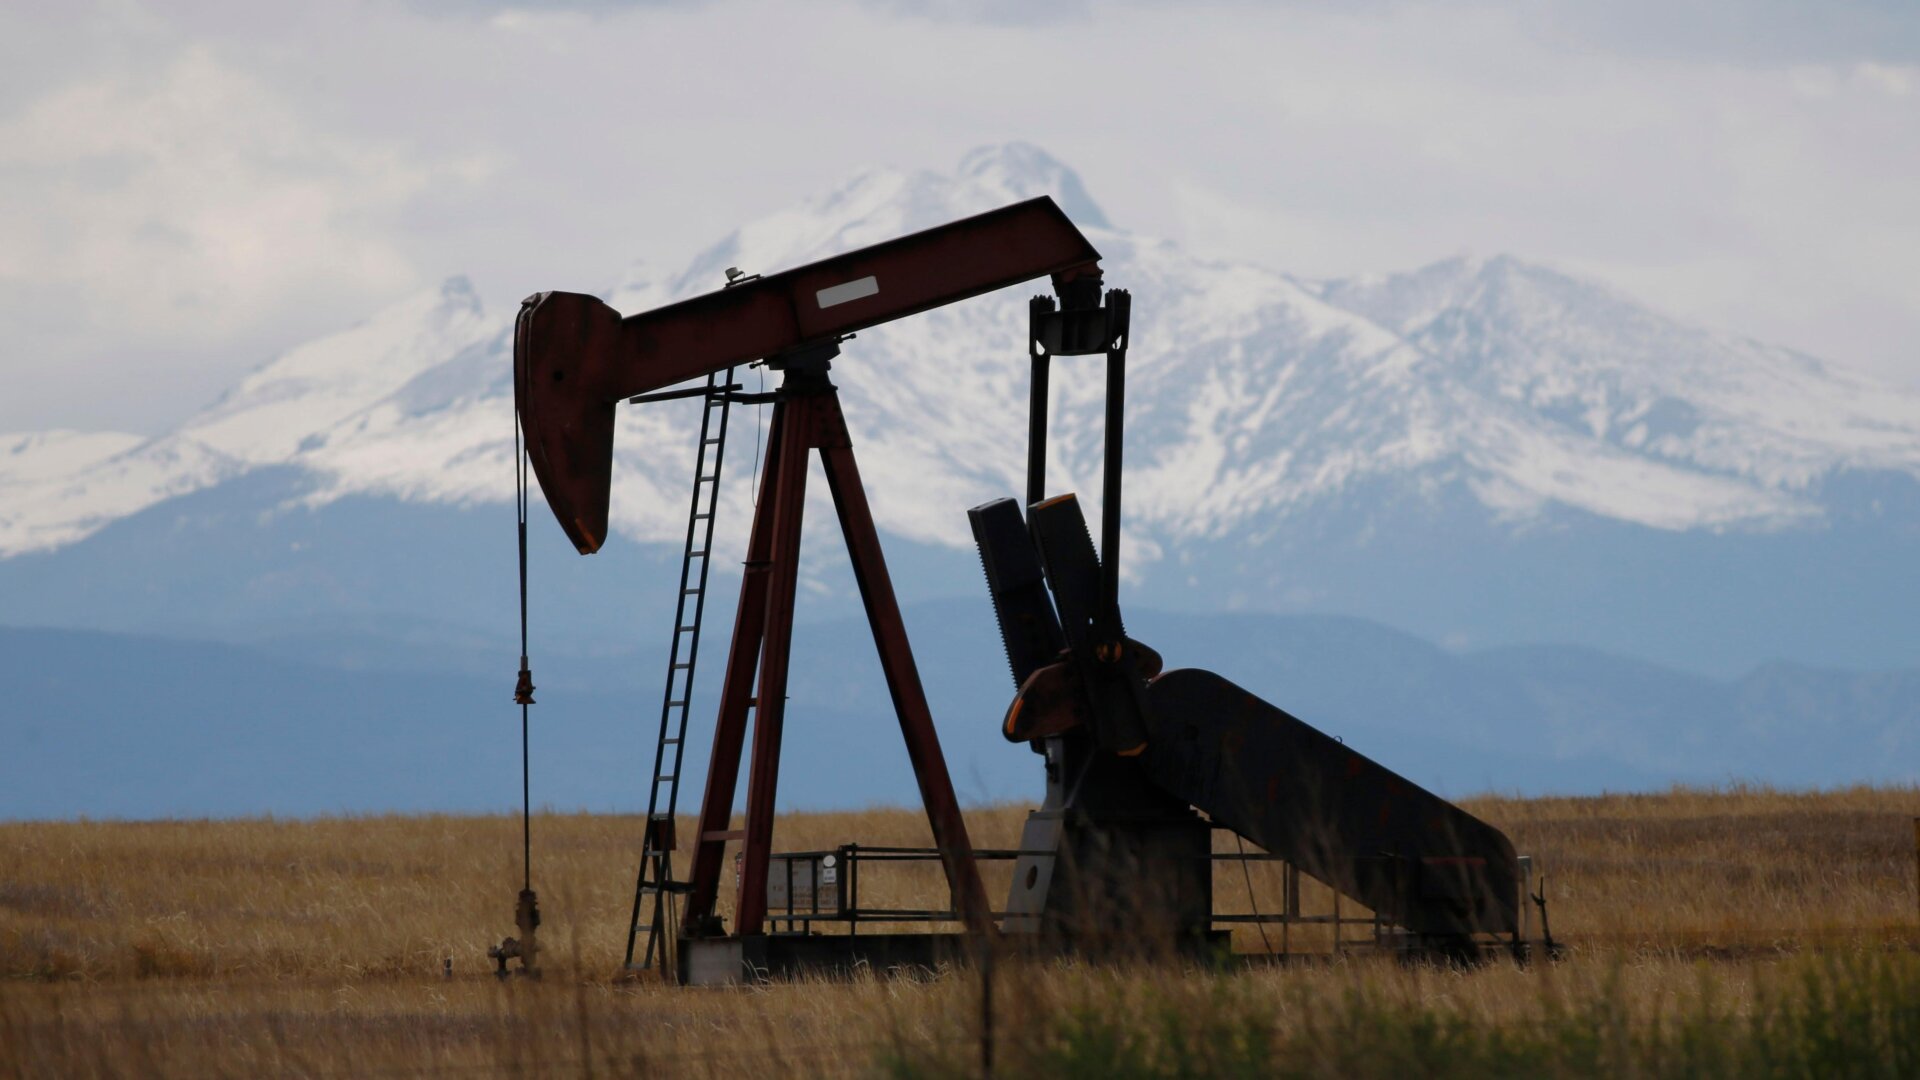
[655, 878]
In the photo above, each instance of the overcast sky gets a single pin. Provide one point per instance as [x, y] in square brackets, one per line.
[186, 188]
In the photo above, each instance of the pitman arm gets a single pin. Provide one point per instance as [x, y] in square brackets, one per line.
[575, 358]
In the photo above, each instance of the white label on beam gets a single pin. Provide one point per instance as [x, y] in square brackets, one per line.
[846, 291]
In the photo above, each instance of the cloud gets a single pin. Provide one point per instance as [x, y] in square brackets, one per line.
[1894, 80]
[1756, 196]
[186, 188]
[188, 206]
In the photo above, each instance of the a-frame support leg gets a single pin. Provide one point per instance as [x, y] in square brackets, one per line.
[736, 697]
[903, 683]
[809, 418]
[769, 716]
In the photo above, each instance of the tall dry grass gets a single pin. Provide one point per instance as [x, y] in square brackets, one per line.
[244, 948]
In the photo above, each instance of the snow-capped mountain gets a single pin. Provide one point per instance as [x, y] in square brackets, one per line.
[59, 487]
[1484, 401]
[1625, 412]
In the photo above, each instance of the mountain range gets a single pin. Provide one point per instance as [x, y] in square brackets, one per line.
[133, 726]
[1547, 479]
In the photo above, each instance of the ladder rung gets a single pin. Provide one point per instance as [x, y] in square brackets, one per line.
[677, 667]
[689, 592]
[686, 629]
[669, 742]
[701, 554]
[681, 704]
[723, 834]
[667, 778]
[709, 442]
[702, 517]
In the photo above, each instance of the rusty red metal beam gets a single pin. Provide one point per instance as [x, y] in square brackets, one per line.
[575, 358]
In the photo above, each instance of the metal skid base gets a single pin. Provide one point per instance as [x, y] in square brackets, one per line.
[730, 961]
[815, 909]
[733, 961]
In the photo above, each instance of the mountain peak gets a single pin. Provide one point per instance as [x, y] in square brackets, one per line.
[458, 292]
[311, 387]
[1409, 300]
[878, 204]
[1024, 171]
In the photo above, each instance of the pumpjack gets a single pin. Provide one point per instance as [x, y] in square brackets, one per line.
[1142, 765]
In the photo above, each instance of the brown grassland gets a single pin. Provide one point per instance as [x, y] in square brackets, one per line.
[1742, 931]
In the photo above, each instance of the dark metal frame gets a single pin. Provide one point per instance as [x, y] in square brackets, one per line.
[1079, 324]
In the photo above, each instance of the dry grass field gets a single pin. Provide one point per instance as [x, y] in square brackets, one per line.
[1711, 933]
